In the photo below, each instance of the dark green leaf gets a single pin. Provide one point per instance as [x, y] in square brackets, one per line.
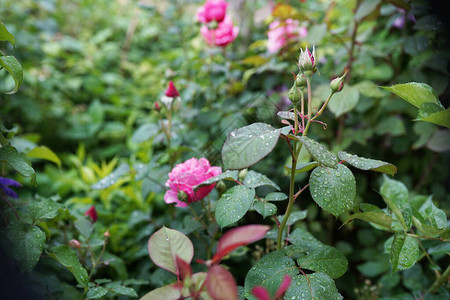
[47, 209]
[294, 217]
[276, 196]
[325, 259]
[145, 132]
[13, 67]
[366, 8]
[246, 146]
[367, 163]
[265, 209]
[84, 226]
[334, 190]
[376, 217]
[313, 286]
[24, 242]
[68, 258]
[254, 179]
[5, 35]
[319, 152]
[301, 237]
[227, 175]
[404, 251]
[414, 92]
[395, 191]
[439, 141]
[233, 205]
[300, 168]
[123, 290]
[97, 292]
[10, 155]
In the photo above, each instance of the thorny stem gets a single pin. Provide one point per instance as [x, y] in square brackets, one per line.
[302, 109]
[95, 263]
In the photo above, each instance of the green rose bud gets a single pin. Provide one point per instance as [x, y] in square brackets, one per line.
[337, 84]
[300, 80]
[294, 94]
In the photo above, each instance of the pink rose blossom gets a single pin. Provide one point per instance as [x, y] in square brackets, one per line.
[223, 35]
[185, 176]
[212, 10]
[280, 33]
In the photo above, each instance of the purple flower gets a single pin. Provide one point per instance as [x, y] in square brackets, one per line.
[5, 183]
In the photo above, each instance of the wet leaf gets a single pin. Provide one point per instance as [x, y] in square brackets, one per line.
[334, 190]
[344, 101]
[227, 175]
[10, 155]
[414, 92]
[377, 217]
[404, 251]
[233, 205]
[112, 178]
[69, 259]
[254, 179]
[313, 286]
[97, 292]
[319, 152]
[367, 163]
[145, 132]
[276, 196]
[301, 237]
[294, 217]
[246, 146]
[265, 209]
[326, 259]
[167, 292]
[47, 209]
[13, 67]
[300, 168]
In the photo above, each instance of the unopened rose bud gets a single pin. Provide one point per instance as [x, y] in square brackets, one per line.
[306, 61]
[91, 213]
[75, 244]
[182, 196]
[157, 106]
[106, 234]
[300, 80]
[242, 174]
[171, 90]
[221, 187]
[294, 94]
[337, 84]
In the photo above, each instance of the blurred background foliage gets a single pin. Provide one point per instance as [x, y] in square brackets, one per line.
[93, 71]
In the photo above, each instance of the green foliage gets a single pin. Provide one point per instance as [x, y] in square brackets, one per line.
[233, 205]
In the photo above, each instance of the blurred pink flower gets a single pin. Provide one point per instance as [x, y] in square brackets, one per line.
[223, 35]
[185, 176]
[212, 10]
[280, 33]
[91, 213]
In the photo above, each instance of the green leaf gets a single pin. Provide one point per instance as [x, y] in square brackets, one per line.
[369, 89]
[123, 290]
[233, 205]
[69, 259]
[395, 191]
[84, 226]
[404, 251]
[166, 244]
[47, 209]
[167, 292]
[441, 117]
[294, 217]
[439, 141]
[276, 196]
[44, 153]
[367, 163]
[319, 152]
[265, 209]
[376, 217]
[313, 286]
[13, 67]
[269, 272]
[334, 190]
[301, 237]
[96, 292]
[246, 146]
[254, 179]
[145, 132]
[10, 155]
[300, 168]
[391, 125]
[316, 33]
[24, 242]
[227, 175]
[366, 8]
[112, 178]
[326, 259]
[5, 35]
[344, 101]
[414, 92]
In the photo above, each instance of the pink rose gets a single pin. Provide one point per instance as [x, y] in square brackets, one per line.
[280, 34]
[223, 35]
[212, 10]
[185, 176]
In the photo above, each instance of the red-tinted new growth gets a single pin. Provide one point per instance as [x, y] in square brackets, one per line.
[283, 287]
[238, 237]
[183, 268]
[171, 90]
[261, 293]
[220, 284]
[91, 213]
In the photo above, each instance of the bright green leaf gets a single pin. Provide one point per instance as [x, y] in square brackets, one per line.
[319, 152]
[44, 153]
[166, 244]
[13, 67]
[233, 205]
[325, 259]
[334, 190]
[414, 92]
[367, 163]
[69, 259]
[246, 146]
[254, 179]
[112, 178]
[5, 35]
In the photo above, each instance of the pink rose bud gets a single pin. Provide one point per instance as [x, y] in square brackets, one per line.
[91, 213]
[106, 234]
[185, 176]
[157, 106]
[171, 91]
[75, 244]
[306, 60]
[212, 10]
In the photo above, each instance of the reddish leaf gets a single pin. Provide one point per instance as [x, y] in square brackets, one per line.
[183, 268]
[261, 293]
[283, 287]
[239, 237]
[221, 284]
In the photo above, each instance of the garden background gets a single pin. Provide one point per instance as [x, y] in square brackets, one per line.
[95, 119]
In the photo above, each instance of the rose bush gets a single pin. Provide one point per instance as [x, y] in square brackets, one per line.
[223, 35]
[280, 33]
[185, 176]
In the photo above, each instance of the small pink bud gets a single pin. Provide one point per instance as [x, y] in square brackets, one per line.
[306, 61]
[75, 244]
[91, 213]
[157, 106]
[106, 234]
[171, 90]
